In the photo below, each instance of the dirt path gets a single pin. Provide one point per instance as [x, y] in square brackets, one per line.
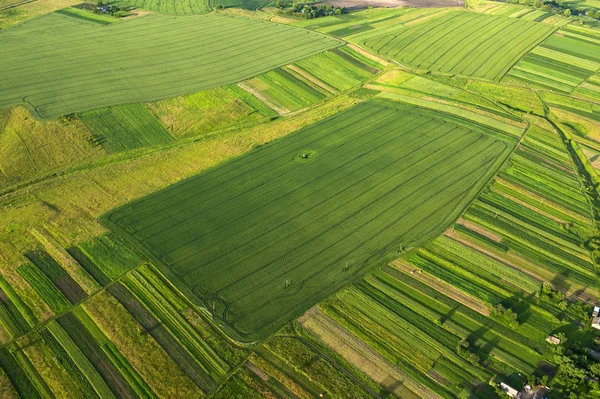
[442, 287]
[529, 206]
[312, 79]
[481, 230]
[370, 56]
[362, 356]
[543, 200]
[257, 94]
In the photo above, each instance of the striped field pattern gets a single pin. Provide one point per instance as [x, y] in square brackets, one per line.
[462, 43]
[267, 235]
[74, 65]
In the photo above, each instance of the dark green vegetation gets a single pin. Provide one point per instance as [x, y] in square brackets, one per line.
[461, 43]
[345, 195]
[433, 216]
[469, 306]
[125, 127]
[185, 50]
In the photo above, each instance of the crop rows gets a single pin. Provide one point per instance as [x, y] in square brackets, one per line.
[310, 80]
[562, 62]
[125, 127]
[532, 232]
[190, 53]
[81, 352]
[285, 91]
[515, 236]
[338, 69]
[462, 43]
[246, 237]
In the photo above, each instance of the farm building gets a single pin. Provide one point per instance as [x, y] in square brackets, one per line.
[510, 391]
[595, 318]
[553, 340]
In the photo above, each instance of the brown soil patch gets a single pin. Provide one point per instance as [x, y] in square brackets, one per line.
[370, 56]
[136, 14]
[257, 371]
[480, 229]
[529, 206]
[543, 200]
[540, 274]
[442, 287]
[362, 356]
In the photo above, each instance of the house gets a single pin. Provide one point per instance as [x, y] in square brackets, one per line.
[596, 318]
[553, 340]
[510, 391]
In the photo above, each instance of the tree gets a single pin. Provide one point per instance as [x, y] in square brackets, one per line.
[567, 13]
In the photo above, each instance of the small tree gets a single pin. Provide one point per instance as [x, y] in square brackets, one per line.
[567, 13]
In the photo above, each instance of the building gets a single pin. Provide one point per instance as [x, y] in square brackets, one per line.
[510, 391]
[596, 318]
[553, 340]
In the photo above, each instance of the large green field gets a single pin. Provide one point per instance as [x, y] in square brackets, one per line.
[461, 43]
[188, 7]
[87, 66]
[265, 236]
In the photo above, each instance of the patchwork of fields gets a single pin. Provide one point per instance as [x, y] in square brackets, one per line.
[311, 80]
[250, 247]
[461, 43]
[562, 62]
[195, 53]
[242, 205]
[428, 320]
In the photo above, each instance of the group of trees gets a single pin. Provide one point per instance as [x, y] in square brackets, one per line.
[556, 7]
[110, 9]
[309, 11]
[578, 370]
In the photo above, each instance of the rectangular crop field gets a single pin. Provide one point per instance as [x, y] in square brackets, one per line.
[265, 236]
[75, 66]
[125, 127]
[561, 62]
[462, 43]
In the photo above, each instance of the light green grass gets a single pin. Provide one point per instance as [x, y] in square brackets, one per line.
[143, 59]
[461, 43]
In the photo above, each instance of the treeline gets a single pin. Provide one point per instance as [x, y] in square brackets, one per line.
[308, 11]
[559, 7]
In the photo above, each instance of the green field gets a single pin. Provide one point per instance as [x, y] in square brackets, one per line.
[125, 127]
[249, 248]
[192, 53]
[284, 91]
[461, 43]
[189, 7]
[562, 62]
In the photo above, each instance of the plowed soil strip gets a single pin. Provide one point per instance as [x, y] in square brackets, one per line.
[361, 355]
[442, 287]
